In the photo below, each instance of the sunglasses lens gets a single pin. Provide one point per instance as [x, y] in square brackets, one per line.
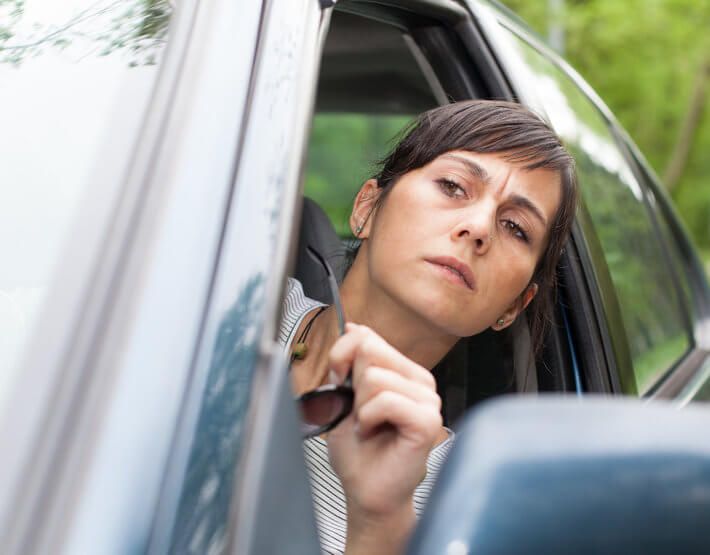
[318, 411]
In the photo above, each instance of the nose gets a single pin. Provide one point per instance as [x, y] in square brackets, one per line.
[477, 227]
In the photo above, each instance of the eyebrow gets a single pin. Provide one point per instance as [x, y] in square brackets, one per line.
[475, 169]
[480, 172]
[526, 204]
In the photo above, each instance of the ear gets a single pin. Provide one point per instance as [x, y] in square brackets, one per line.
[365, 201]
[508, 317]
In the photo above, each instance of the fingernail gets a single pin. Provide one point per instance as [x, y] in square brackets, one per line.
[333, 377]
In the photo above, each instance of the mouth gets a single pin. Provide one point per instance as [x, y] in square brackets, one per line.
[456, 269]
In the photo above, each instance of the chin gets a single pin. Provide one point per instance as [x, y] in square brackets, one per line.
[449, 314]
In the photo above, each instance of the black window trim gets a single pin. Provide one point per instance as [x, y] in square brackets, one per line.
[405, 13]
[438, 26]
[588, 330]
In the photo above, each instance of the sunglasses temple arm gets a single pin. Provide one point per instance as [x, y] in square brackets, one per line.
[336, 302]
[334, 292]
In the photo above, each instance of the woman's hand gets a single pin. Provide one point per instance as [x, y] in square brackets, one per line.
[380, 450]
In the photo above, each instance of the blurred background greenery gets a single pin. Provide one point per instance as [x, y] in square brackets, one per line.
[649, 60]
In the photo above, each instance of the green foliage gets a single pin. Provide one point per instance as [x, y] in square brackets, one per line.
[643, 57]
[343, 152]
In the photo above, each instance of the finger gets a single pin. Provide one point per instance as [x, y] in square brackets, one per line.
[374, 380]
[373, 350]
[343, 352]
[361, 347]
[416, 421]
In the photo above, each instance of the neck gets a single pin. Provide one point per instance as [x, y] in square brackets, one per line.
[365, 303]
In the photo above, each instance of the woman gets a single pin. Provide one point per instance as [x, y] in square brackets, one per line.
[460, 231]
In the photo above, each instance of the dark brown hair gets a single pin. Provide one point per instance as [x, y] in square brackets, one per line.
[523, 137]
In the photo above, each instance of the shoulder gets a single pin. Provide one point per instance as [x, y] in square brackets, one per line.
[295, 306]
[295, 300]
[294, 290]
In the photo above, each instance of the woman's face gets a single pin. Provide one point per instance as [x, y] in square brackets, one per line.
[457, 241]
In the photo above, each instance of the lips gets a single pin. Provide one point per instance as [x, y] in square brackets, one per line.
[456, 266]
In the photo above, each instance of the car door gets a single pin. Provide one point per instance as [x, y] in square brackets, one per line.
[639, 330]
[185, 213]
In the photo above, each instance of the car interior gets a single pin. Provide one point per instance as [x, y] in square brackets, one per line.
[366, 90]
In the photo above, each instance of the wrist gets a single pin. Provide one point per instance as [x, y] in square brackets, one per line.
[370, 532]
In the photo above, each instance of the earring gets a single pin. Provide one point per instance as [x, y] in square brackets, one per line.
[358, 229]
[500, 321]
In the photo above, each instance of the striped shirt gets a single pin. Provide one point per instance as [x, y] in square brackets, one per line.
[328, 494]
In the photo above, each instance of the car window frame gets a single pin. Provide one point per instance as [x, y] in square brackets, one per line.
[271, 422]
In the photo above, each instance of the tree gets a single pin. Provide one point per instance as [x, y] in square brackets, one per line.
[698, 99]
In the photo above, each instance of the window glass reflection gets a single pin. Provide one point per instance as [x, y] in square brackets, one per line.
[76, 76]
[677, 260]
[655, 330]
[207, 489]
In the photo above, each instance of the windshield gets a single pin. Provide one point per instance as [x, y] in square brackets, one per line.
[76, 78]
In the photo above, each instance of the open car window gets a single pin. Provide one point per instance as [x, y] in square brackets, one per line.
[368, 91]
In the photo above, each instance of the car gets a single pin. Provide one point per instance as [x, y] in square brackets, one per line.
[156, 160]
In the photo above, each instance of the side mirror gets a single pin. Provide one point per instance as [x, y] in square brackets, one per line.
[563, 475]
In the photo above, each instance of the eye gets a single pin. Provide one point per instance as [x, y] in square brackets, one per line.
[516, 230]
[451, 188]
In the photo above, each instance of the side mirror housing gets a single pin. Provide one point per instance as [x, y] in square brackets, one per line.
[570, 475]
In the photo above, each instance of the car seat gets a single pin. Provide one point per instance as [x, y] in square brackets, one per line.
[317, 231]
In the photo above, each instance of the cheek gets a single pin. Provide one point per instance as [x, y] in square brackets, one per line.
[512, 276]
[522, 274]
[401, 221]
[389, 240]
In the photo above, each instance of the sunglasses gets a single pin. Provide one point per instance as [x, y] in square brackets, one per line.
[323, 408]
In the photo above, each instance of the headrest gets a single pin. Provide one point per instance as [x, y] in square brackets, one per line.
[318, 232]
